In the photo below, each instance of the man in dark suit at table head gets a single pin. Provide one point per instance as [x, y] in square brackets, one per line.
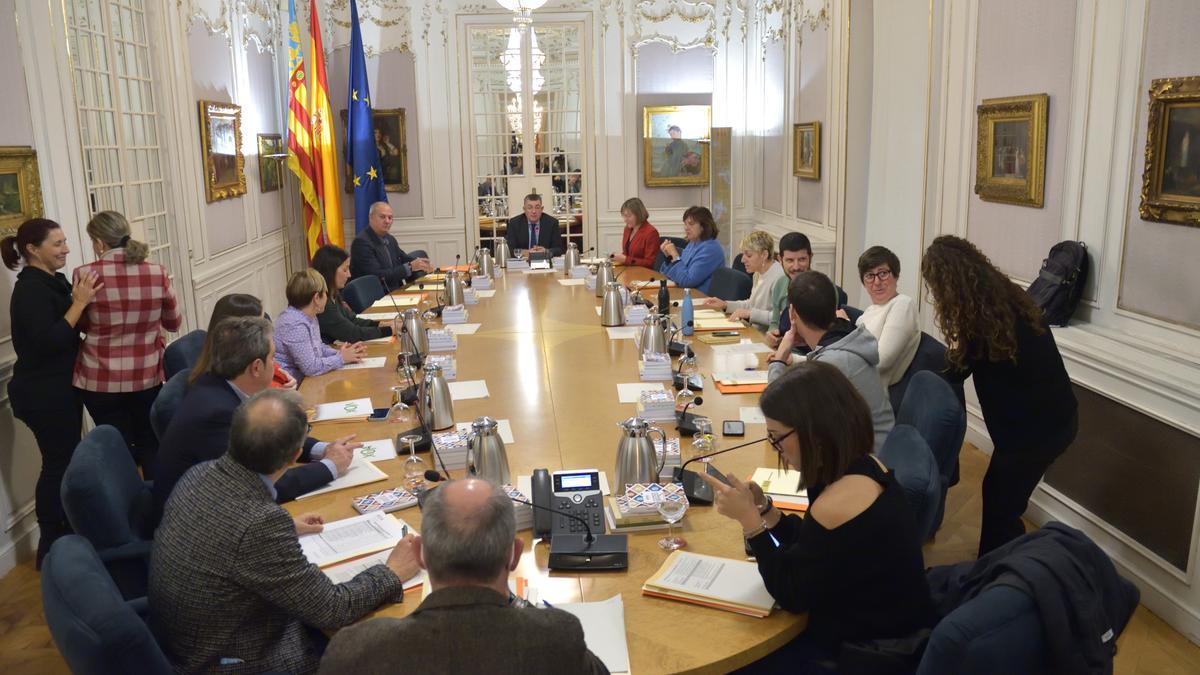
[242, 364]
[534, 231]
[230, 587]
[468, 545]
[376, 253]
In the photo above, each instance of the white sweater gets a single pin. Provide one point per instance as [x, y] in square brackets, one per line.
[896, 326]
[759, 303]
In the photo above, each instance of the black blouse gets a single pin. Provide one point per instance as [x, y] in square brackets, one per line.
[862, 580]
[45, 343]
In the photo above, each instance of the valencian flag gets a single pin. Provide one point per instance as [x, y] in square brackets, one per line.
[361, 152]
[324, 155]
[300, 159]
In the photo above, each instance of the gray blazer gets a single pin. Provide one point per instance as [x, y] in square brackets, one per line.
[465, 629]
[230, 589]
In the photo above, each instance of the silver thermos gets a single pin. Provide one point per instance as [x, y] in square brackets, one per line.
[416, 330]
[653, 338]
[604, 276]
[486, 456]
[571, 259]
[453, 295]
[502, 253]
[439, 408]
[487, 267]
[636, 460]
[613, 309]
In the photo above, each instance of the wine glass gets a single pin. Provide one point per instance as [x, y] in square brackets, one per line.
[703, 441]
[687, 368]
[414, 466]
[672, 511]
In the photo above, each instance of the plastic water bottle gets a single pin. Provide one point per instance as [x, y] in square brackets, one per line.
[687, 316]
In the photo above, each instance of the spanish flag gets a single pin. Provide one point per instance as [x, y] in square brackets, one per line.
[324, 153]
[300, 137]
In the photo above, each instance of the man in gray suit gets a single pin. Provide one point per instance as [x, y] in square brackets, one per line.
[468, 545]
[230, 589]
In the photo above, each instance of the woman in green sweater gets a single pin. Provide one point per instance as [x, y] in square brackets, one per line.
[338, 322]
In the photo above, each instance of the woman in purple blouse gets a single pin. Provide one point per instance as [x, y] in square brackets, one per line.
[298, 346]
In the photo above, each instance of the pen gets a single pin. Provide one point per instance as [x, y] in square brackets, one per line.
[548, 604]
[403, 531]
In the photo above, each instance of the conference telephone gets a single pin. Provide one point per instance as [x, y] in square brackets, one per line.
[575, 493]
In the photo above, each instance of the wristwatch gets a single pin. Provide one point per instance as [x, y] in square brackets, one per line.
[767, 506]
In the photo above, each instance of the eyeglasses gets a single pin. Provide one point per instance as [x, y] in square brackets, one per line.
[881, 275]
[775, 442]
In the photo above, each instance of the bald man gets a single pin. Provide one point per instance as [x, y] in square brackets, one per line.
[375, 252]
[469, 622]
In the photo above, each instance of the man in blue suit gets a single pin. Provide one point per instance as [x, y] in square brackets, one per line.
[243, 363]
[375, 252]
[534, 231]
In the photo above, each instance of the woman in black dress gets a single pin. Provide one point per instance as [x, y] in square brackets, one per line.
[996, 333]
[44, 310]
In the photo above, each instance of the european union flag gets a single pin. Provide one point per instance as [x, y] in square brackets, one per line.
[361, 152]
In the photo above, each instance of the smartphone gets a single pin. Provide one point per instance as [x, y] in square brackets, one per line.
[733, 428]
[379, 415]
[716, 473]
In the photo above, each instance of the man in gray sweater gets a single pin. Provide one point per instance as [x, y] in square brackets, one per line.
[812, 307]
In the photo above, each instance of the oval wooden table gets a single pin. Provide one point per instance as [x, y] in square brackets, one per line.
[552, 370]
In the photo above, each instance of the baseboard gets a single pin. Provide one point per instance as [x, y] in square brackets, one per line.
[22, 548]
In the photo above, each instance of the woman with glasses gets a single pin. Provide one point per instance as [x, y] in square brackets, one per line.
[892, 317]
[854, 562]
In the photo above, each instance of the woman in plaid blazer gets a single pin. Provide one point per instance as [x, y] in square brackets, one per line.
[119, 368]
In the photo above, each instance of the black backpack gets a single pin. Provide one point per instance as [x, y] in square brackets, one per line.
[1060, 281]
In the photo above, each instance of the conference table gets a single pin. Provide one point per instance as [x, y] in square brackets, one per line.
[551, 370]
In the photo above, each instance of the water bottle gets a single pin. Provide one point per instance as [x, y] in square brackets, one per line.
[664, 298]
[686, 320]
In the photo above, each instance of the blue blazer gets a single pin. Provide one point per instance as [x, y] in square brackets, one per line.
[696, 264]
[200, 432]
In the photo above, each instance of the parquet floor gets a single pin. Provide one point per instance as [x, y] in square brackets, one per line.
[1147, 647]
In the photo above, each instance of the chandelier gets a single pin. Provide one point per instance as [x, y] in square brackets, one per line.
[515, 110]
[522, 10]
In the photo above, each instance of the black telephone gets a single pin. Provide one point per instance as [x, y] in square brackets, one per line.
[574, 492]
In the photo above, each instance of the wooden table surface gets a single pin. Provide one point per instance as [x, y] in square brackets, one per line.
[551, 370]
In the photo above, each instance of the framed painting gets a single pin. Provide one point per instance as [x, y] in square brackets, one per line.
[1171, 177]
[1011, 150]
[806, 150]
[221, 141]
[20, 188]
[270, 162]
[391, 140]
[675, 145]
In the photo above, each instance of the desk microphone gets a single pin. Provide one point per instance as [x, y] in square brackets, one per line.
[417, 360]
[579, 552]
[636, 293]
[676, 348]
[697, 490]
[685, 422]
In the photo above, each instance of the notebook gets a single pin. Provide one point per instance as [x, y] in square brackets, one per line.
[720, 583]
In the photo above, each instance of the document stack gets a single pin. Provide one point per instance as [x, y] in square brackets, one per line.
[516, 264]
[469, 297]
[590, 281]
[560, 263]
[451, 447]
[722, 583]
[446, 361]
[524, 511]
[635, 315]
[580, 272]
[482, 283]
[654, 367]
[442, 340]
[656, 405]
[671, 461]
[454, 314]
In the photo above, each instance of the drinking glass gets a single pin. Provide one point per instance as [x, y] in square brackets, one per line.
[672, 511]
[704, 442]
[414, 466]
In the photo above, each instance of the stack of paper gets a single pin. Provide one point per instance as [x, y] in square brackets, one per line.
[635, 315]
[356, 409]
[340, 574]
[524, 511]
[392, 499]
[580, 272]
[454, 314]
[655, 367]
[603, 630]
[590, 281]
[451, 447]
[641, 499]
[448, 364]
[393, 302]
[515, 264]
[672, 459]
[360, 472]
[783, 485]
[352, 537]
[441, 340]
[469, 297]
[368, 362]
[721, 583]
[656, 406]
[481, 283]
[560, 262]
[718, 324]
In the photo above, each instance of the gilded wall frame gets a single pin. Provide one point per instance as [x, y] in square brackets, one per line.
[675, 145]
[391, 138]
[20, 188]
[1171, 177]
[1011, 150]
[806, 150]
[271, 154]
[221, 141]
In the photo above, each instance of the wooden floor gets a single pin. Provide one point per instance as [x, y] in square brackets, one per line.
[1148, 645]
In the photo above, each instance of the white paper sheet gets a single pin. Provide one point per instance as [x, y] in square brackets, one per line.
[462, 328]
[540, 271]
[603, 630]
[385, 302]
[359, 408]
[380, 341]
[368, 362]
[467, 389]
[485, 294]
[735, 581]
[340, 574]
[741, 377]
[572, 282]
[351, 537]
[379, 316]
[631, 392]
[743, 347]
[751, 415]
[502, 426]
[622, 332]
[358, 473]
[375, 451]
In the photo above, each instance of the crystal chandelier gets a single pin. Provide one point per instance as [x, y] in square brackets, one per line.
[522, 10]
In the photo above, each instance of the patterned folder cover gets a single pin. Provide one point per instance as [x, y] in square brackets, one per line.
[389, 500]
[641, 499]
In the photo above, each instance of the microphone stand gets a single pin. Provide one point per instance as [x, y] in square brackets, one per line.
[637, 292]
[698, 491]
[685, 422]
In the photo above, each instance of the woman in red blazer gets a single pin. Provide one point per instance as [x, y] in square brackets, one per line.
[639, 242]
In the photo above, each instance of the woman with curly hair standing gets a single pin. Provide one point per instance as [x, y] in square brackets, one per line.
[997, 334]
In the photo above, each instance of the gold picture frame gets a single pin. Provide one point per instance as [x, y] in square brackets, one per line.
[270, 162]
[389, 123]
[1171, 178]
[1011, 150]
[806, 150]
[675, 145]
[20, 188]
[221, 140]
